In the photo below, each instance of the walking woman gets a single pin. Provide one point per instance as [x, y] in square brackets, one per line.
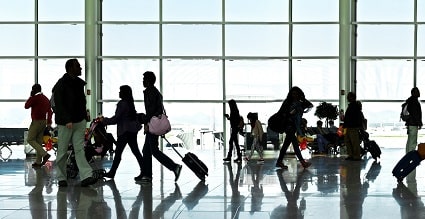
[127, 129]
[293, 107]
[235, 127]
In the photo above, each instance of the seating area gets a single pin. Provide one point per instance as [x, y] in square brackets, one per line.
[11, 136]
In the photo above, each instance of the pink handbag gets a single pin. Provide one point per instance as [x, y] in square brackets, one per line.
[159, 125]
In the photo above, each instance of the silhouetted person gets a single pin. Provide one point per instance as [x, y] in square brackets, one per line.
[237, 200]
[234, 119]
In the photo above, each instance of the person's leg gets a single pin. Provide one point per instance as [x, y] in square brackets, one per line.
[348, 143]
[355, 140]
[78, 132]
[235, 138]
[132, 142]
[33, 138]
[284, 148]
[231, 142]
[412, 138]
[64, 136]
[161, 157]
[147, 154]
[121, 143]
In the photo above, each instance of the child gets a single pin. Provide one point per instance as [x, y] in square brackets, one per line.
[257, 134]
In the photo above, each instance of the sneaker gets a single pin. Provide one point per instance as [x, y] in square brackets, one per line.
[138, 178]
[227, 159]
[63, 183]
[88, 181]
[177, 172]
[45, 159]
[282, 166]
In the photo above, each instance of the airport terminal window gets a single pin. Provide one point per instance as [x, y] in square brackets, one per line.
[130, 40]
[317, 77]
[379, 40]
[384, 79]
[421, 42]
[256, 79]
[192, 79]
[14, 115]
[17, 40]
[191, 40]
[191, 10]
[130, 10]
[61, 40]
[315, 10]
[258, 11]
[421, 77]
[383, 10]
[15, 80]
[316, 40]
[9, 9]
[421, 13]
[61, 10]
[256, 40]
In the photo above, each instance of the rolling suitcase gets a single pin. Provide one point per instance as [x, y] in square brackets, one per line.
[193, 162]
[374, 149]
[407, 164]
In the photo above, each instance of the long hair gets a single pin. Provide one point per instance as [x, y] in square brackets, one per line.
[127, 95]
[290, 98]
[233, 107]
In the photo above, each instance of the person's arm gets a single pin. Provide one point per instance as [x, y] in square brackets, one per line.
[122, 107]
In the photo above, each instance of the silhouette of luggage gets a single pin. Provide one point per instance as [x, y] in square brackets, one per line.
[407, 164]
[192, 161]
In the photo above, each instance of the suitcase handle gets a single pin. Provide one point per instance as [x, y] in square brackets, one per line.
[172, 146]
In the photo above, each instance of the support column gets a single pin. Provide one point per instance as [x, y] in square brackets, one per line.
[344, 51]
[91, 48]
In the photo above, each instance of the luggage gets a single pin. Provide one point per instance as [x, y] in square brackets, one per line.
[373, 148]
[406, 165]
[193, 162]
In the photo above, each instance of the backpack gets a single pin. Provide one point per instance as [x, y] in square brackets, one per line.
[278, 122]
[404, 115]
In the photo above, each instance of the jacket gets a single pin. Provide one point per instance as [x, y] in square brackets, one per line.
[153, 103]
[70, 100]
[257, 131]
[123, 119]
[40, 108]
[353, 116]
[415, 112]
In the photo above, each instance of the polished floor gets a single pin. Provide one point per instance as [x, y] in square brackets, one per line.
[330, 188]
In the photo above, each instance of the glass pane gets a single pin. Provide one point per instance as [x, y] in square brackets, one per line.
[130, 40]
[421, 42]
[16, 78]
[256, 40]
[50, 70]
[130, 10]
[379, 40]
[207, 116]
[21, 117]
[421, 76]
[315, 40]
[192, 80]
[256, 79]
[319, 79]
[384, 117]
[383, 10]
[61, 10]
[126, 72]
[9, 9]
[384, 79]
[17, 40]
[61, 39]
[192, 40]
[254, 10]
[421, 13]
[191, 10]
[315, 10]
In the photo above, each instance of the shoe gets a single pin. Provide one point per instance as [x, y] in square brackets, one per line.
[138, 178]
[145, 179]
[227, 159]
[36, 165]
[306, 164]
[45, 159]
[88, 181]
[109, 175]
[63, 183]
[177, 172]
[281, 165]
[238, 160]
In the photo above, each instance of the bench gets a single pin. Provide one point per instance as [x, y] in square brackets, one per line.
[11, 136]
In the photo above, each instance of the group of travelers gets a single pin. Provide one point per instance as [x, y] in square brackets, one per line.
[69, 106]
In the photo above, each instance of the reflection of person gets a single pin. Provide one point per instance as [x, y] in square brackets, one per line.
[144, 197]
[119, 207]
[257, 193]
[234, 119]
[192, 199]
[41, 115]
[127, 129]
[257, 135]
[353, 122]
[237, 199]
[38, 206]
[411, 205]
[154, 107]
[291, 210]
[356, 192]
[71, 115]
[293, 107]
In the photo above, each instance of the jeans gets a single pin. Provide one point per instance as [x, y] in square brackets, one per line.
[150, 148]
[129, 138]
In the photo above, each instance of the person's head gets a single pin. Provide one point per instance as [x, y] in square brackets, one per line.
[73, 67]
[295, 93]
[36, 88]
[232, 105]
[319, 123]
[351, 97]
[331, 123]
[126, 93]
[149, 79]
[252, 116]
[415, 92]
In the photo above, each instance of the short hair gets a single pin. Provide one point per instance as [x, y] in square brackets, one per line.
[69, 64]
[413, 90]
[319, 122]
[36, 87]
[149, 77]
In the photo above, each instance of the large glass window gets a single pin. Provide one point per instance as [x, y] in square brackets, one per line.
[16, 78]
[421, 75]
[315, 40]
[61, 39]
[421, 42]
[61, 10]
[17, 40]
[130, 10]
[315, 10]
[421, 13]
[380, 40]
[383, 10]
[258, 11]
[191, 10]
[14, 115]
[17, 10]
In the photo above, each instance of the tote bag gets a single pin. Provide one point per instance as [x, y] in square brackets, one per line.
[159, 125]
